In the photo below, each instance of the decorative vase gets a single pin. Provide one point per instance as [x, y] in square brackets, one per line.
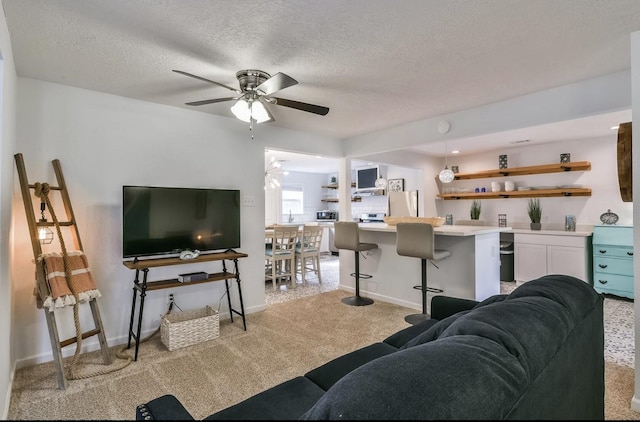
[536, 226]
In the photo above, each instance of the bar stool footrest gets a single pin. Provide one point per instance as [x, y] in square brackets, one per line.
[429, 289]
[362, 275]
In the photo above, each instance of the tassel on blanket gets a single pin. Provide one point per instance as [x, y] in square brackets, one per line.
[61, 294]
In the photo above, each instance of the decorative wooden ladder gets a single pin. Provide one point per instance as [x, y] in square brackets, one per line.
[42, 289]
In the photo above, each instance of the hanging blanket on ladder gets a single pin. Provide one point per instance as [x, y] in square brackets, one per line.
[61, 293]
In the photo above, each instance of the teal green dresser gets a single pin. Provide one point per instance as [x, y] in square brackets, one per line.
[613, 260]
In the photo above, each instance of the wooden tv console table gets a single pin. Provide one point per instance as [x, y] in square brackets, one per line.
[144, 285]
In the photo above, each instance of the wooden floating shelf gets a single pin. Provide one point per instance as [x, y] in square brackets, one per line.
[353, 199]
[533, 193]
[523, 171]
[335, 185]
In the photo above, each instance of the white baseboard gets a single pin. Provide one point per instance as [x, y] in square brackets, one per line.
[635, 403]
[383, 298]
[7, 400]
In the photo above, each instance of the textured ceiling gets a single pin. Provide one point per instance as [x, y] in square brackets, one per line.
[374, 63]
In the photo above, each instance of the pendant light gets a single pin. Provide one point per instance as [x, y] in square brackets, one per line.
[381, 182]
[446, 175]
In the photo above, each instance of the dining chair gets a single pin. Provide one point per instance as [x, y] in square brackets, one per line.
[308, 252]
[280, 255]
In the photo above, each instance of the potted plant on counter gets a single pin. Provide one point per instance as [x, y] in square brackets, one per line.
[535, 213]
[475, 209]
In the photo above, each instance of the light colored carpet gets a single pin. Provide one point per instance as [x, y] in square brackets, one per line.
[286, 340]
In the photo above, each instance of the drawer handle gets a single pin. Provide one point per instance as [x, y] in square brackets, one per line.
[603, 251]
[602, 265]
[630, 253]
[603, 281]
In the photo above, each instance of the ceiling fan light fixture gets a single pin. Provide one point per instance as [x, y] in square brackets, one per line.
[246, 110]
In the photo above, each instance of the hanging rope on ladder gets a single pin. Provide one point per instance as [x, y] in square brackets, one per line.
[77, 281]
[75, 287]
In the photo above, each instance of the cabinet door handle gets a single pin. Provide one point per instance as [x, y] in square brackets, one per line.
[603, 251]
[630, 253]
[603, 281]
[602, 265]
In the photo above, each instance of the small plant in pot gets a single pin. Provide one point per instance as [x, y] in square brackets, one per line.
[535, 213]
[475, 209]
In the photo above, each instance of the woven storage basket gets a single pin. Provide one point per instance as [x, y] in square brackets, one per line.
[434, 221]
[182, 329]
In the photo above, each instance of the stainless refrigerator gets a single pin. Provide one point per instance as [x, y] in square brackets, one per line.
[403, 204]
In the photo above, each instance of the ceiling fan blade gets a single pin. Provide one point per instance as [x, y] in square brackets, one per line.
[216, 100]
[206, 80]
[276, 83]
[311, 108]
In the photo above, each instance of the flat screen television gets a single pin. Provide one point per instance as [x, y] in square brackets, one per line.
[366, 178]
[169, 220]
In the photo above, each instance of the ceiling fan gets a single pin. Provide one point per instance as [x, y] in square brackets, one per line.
[256, 88]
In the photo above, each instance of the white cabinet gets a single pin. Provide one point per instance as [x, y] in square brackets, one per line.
[541, 254]
[530, 261]
[324, 244]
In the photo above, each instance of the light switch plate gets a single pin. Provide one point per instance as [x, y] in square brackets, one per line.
[249, 201]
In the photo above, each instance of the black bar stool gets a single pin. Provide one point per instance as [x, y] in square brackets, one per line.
[347, 237]
[417, 240]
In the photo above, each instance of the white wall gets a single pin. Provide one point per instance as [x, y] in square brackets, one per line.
[7, 148]
[105, 141]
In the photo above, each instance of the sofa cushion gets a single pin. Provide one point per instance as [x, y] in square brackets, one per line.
[329, 373]
[529, 328]
[285, 401]
[434, 331]
[563, 289]
[403, 336]
[463, 377]
[445, 306]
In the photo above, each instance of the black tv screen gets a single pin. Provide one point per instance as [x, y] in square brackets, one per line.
[366, 178]
[168, 220]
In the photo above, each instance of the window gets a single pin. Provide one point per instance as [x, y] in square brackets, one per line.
[292, 198]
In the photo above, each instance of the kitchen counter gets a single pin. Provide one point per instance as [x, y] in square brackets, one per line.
[579, 233]
[472, 271]
[455, 230]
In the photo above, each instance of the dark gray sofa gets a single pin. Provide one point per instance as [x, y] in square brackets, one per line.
[537, 353]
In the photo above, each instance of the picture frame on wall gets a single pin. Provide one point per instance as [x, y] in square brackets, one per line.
[396, 185]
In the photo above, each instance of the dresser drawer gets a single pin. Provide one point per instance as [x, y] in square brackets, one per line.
[619, 285]
[613, 266]
[612, 251]
[613, 235]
